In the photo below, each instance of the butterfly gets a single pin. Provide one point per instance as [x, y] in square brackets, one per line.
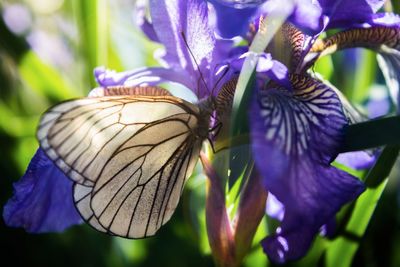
[129, 152]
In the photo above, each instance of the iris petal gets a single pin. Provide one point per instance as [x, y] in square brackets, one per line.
[181, 24]
[145, 25]
[302, 13]
[235, 27]
[342, 13]
[358, 160]
[295, 136]
[42, 200]
[142, 76]
[193, 55]
[384, 40]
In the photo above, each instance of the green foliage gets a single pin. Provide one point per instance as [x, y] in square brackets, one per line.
[370, 134]
[341, 251]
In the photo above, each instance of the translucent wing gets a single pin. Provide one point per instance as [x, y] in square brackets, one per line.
[129, 156]
[81, 135]
[82, 197]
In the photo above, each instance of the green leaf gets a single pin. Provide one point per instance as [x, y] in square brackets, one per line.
[92, 20]
[383, 167]
[396, 6]
[43, 79]
[373, 133]
[341, 251]
[240, 152]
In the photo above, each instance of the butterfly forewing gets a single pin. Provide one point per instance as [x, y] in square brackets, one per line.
[80, 135]
[128, 155]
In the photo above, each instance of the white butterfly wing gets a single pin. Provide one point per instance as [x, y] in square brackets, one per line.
[82, 197]
[132, 153]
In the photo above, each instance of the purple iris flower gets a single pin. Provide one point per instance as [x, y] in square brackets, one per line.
[42, 200]
[297, 133]
[295, 136]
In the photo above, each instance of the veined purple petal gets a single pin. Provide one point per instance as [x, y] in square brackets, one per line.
[384, 40]
[183, 28]
[42, 200]
[175, 20]
[295, 135]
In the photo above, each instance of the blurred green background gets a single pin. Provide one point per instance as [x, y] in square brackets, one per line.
[48, 49]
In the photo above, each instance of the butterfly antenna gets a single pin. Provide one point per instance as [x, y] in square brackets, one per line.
[195, 61]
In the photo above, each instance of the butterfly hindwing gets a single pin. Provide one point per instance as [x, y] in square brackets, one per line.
[136, 201]
[82, 197]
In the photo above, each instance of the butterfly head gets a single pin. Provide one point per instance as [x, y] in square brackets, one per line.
[207, 107]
